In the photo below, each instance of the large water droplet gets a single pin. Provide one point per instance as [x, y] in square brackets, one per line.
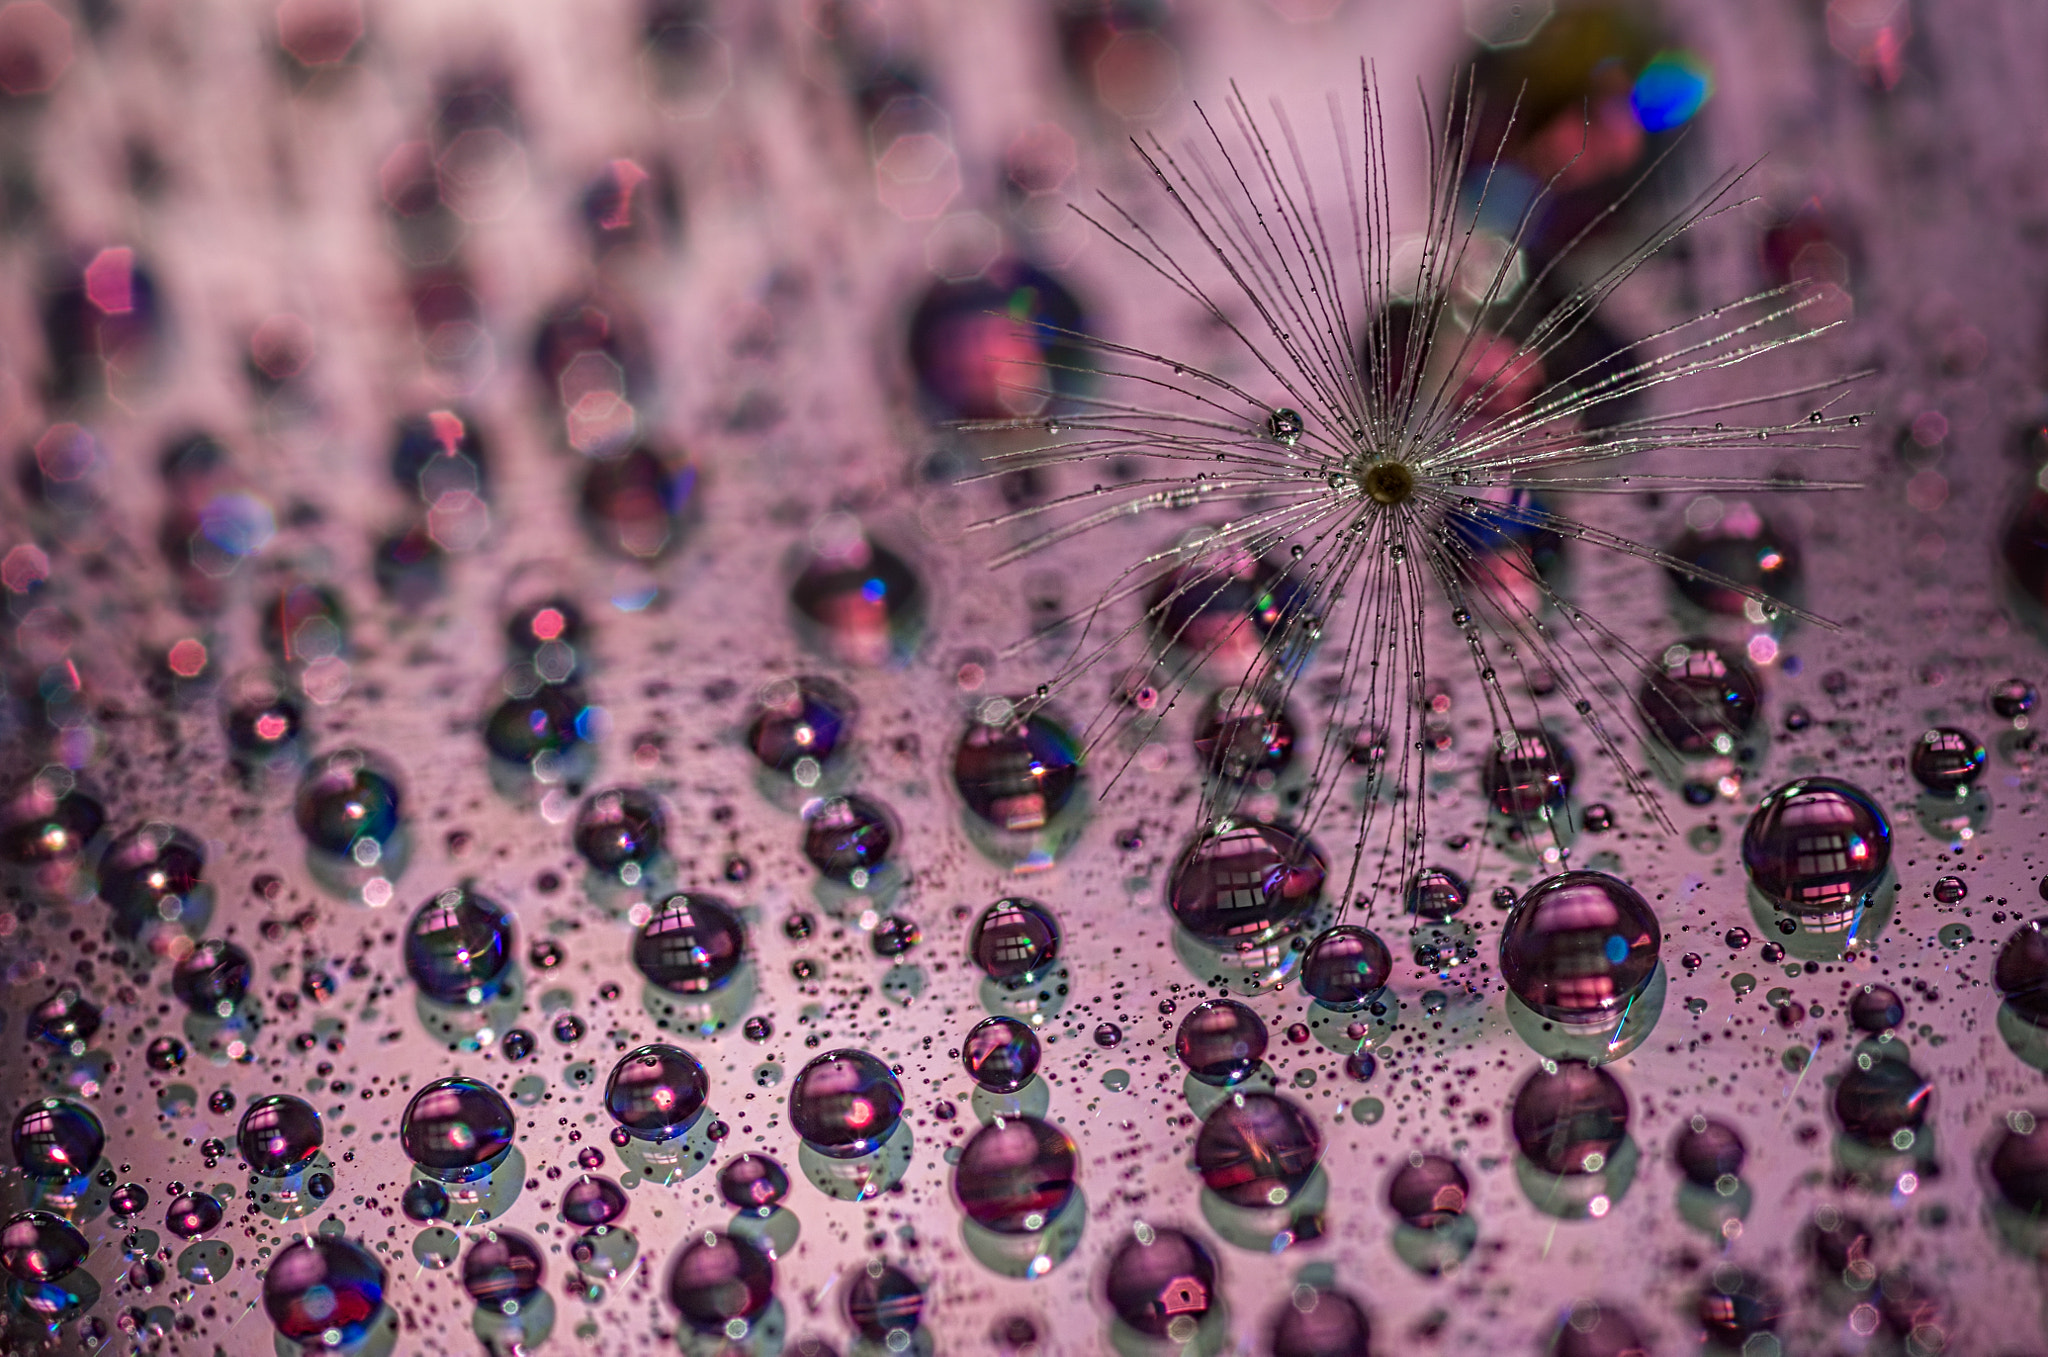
[1221, 1041]
[36, 1246]
[858, 602]
[1346, 967]
[2022, 971]
[1232, 610]
[1015, 771]
[347, 806]
[1701, 698]
[845, 1103]
[636, 503]
[1571, 1119]
[192, 1214]
[1015, 1175]
[1876, 1008]
[882, 1301]
[1429, 1191]
[1321, 1323]
[1531, 777]
[1946, 761]
[151, 876]
[502, 1269]
[56, 1139]
[1815, 846]
[691, 945]
[753, 1182]
[324, 1291]
[1878, 1098]
[848, 838]
[1257, 1149]
[1740, 546]
[1579, 947]
[2019, 1162]
[45, 833]
[458, 947]
[1592, 1329]
[1707, 1150]
[656, 1091]
[621, 828]
[540, 728]
[457, 1128]
[1435, 893]
[802, 723]
[718, 1281]
[1014, 941]
[1245, 884]
[213, 978]
[1001, 1054]
[66, 1020]
[2012, 698]
[263, 720]
[1735, 1307]
[1244, 738]
[1162, 1282]
[278, 1134]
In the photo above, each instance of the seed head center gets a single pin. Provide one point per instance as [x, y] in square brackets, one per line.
[1388, 482]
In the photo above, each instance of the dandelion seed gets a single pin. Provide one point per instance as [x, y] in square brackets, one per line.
[1414, 409]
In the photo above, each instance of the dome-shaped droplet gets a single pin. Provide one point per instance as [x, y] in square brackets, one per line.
[801, 724]
[2022, 971]
[1815, 846]
[1003, 344]
[1436, 893]
[1946, 761]
[1840, 1242]
[192, 1214]
[66, 1020]
[456, 1128]
[56, 1139]
[324, 1291]
[691, 945]
[1158, 1277]
[1428, 1191]
[348, 806]
[1882, 1101]
[1346, 967]
[1257, 1149]
[424, 1200]
[2019, 1162]
[1221, 1041]
[213, 978]
[719, 1281]
[539, 728]
[1876, 1008]
[1244, 738]
[263, 720]
[1232, 609]
[1015, 1175]
[1321, 1323]
[856, 601]
[656, 1092]
[303, 623]
[1014, 941]
[438, 453]
[2012, 698]
[458, 947]
[502, 1268]
[848, 838]
[1246, 884]
[620, 828]
[149, 875]
[1591, 1329]
[1701, 698]
[1707, 1151]
[1015, 771]
[44, 831]
[592, 1200]
[1735, 1307]
[1742, 547]
[753, 1182]
[637, 502]
[1579, 947]
[279, 1133]
[36, 1246]
[882, 1300]
[845, 1103]
[1531, 776]
[1001, 1054]
[1571, 1119]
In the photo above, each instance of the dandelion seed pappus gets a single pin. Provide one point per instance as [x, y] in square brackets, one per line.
[1383, 471]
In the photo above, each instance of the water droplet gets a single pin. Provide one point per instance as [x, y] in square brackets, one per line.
[517, 1044]
[1346, 967]
[719, 1281]
[1435, 894]
[1580, 947]
[1014, 942]
[56, 1139]
[2013, 698]
[1234, 611]
[129, 1199]
[1571, 1119]
[192, 1214]
[1736, 1307]
[1244, 738]
[1016, 772]
[66, 1020]
[591, 1201]
[1001, 1054]
[1245, 884]
[1221, 1041]
[1702, 698]
[212, 979]
[502, 1269]
[164, 1053]
[1706, 1150]
[324, 1291]
[1320, 1323]
[457, 1128]
[1531, 776]
[1257, 1149]
[1815, 846]
[1953, 936]
[848, 838]
[1429, 1191]
[1598, 818]
[2019, 1162]
[845, 1103]
[423, 1200]
[151, 877]
[1361, 1066]
[1878, 1098]
[1950, 890]
[279, 1133]
[1739, 546]
[540, 729]
[48, 834]
[1285, 426]
[692, 945]
[458, 947]
[801, 724]
[893, 935]
[1593, 1329]
[36, 1246]
[348, 807]
[1161, 1277]
[753, 1182]
[884, 1301]
[857, 601]
[636, 503]
[1946, 761]
[1015, 1175]
[656, 1091]
[1108, 1034]
[621, 828]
